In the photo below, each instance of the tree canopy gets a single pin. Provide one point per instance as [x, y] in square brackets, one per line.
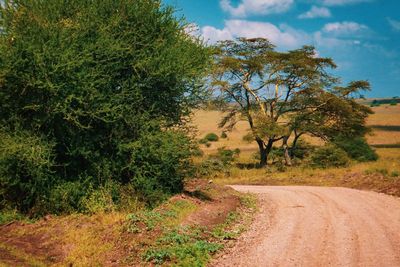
[284, 94]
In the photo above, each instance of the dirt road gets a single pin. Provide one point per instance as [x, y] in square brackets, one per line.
[317, 226]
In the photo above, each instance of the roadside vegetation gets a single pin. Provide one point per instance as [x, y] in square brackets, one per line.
[100, 163]
[371, 167]
[183, 231]
[91, 118]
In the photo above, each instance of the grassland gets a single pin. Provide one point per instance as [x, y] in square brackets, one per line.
[382, 175]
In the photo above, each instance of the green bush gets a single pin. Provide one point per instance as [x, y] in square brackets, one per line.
[159, 162]
[248, 138]
[224, 135]
[211, 137]
[67, 198]
[329, 156]
[219, 162]
[106, 198]
[7, 216]
[26, 164]
[276, 153]
[210, 166]
[183, 247]
[302, 150]
[356, 148]
[227, 156]
[84, 197]
[197, 152]
[82, 88]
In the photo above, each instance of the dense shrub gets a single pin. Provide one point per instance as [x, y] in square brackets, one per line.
[26, 163]
[211, 137]
[227, 156]
[224, 135]
[106, 198]
[356, 148]
[196, 151]
[158, 163]
[211, 166]
[302, 149]
[218, 162]
[70, 197]
[276, 154]
[329, 156]
[66, 198]
[94, 103]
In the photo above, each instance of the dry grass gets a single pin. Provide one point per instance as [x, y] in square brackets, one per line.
[114, 239]
[385, 124]
[207, 122]
[386, 118]
[381, 175]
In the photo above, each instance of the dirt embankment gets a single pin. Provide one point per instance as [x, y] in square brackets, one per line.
[318, 226]
[102, 239]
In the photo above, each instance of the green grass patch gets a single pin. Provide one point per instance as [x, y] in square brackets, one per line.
[169, 215]
[179, 245]
[7, 216]
[183, 246]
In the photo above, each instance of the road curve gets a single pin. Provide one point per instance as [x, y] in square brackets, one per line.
[318, 226]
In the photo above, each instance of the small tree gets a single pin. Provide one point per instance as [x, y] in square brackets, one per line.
[263, 83]
[281, 94]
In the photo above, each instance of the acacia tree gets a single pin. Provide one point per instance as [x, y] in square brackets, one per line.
[278, 93]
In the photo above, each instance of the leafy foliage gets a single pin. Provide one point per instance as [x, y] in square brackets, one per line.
[218, 162]
[357, 148]
[211, 137]
[329, 156]
[302, 149]
[26, 163]
[158, 163]
[89, 85]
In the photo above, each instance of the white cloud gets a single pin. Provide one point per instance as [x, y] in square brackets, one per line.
[394, 23]
[345, 28]
[343, 2]
[214, 35]
[331, 36]
[316, 12]
[322, 40]
[282, 36]
[256, 7]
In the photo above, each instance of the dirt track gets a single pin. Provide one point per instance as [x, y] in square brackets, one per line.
[317, 226]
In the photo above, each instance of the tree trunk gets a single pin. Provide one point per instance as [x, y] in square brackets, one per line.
[288, 159]
[263, 153]
[293, 148]
[269, 146]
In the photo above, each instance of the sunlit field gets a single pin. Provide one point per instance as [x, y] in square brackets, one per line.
[386, 126]
[382, 175]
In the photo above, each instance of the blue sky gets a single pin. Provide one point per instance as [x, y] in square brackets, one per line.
[362, 36]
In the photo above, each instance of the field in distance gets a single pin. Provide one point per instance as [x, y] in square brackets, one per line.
[382, 175]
